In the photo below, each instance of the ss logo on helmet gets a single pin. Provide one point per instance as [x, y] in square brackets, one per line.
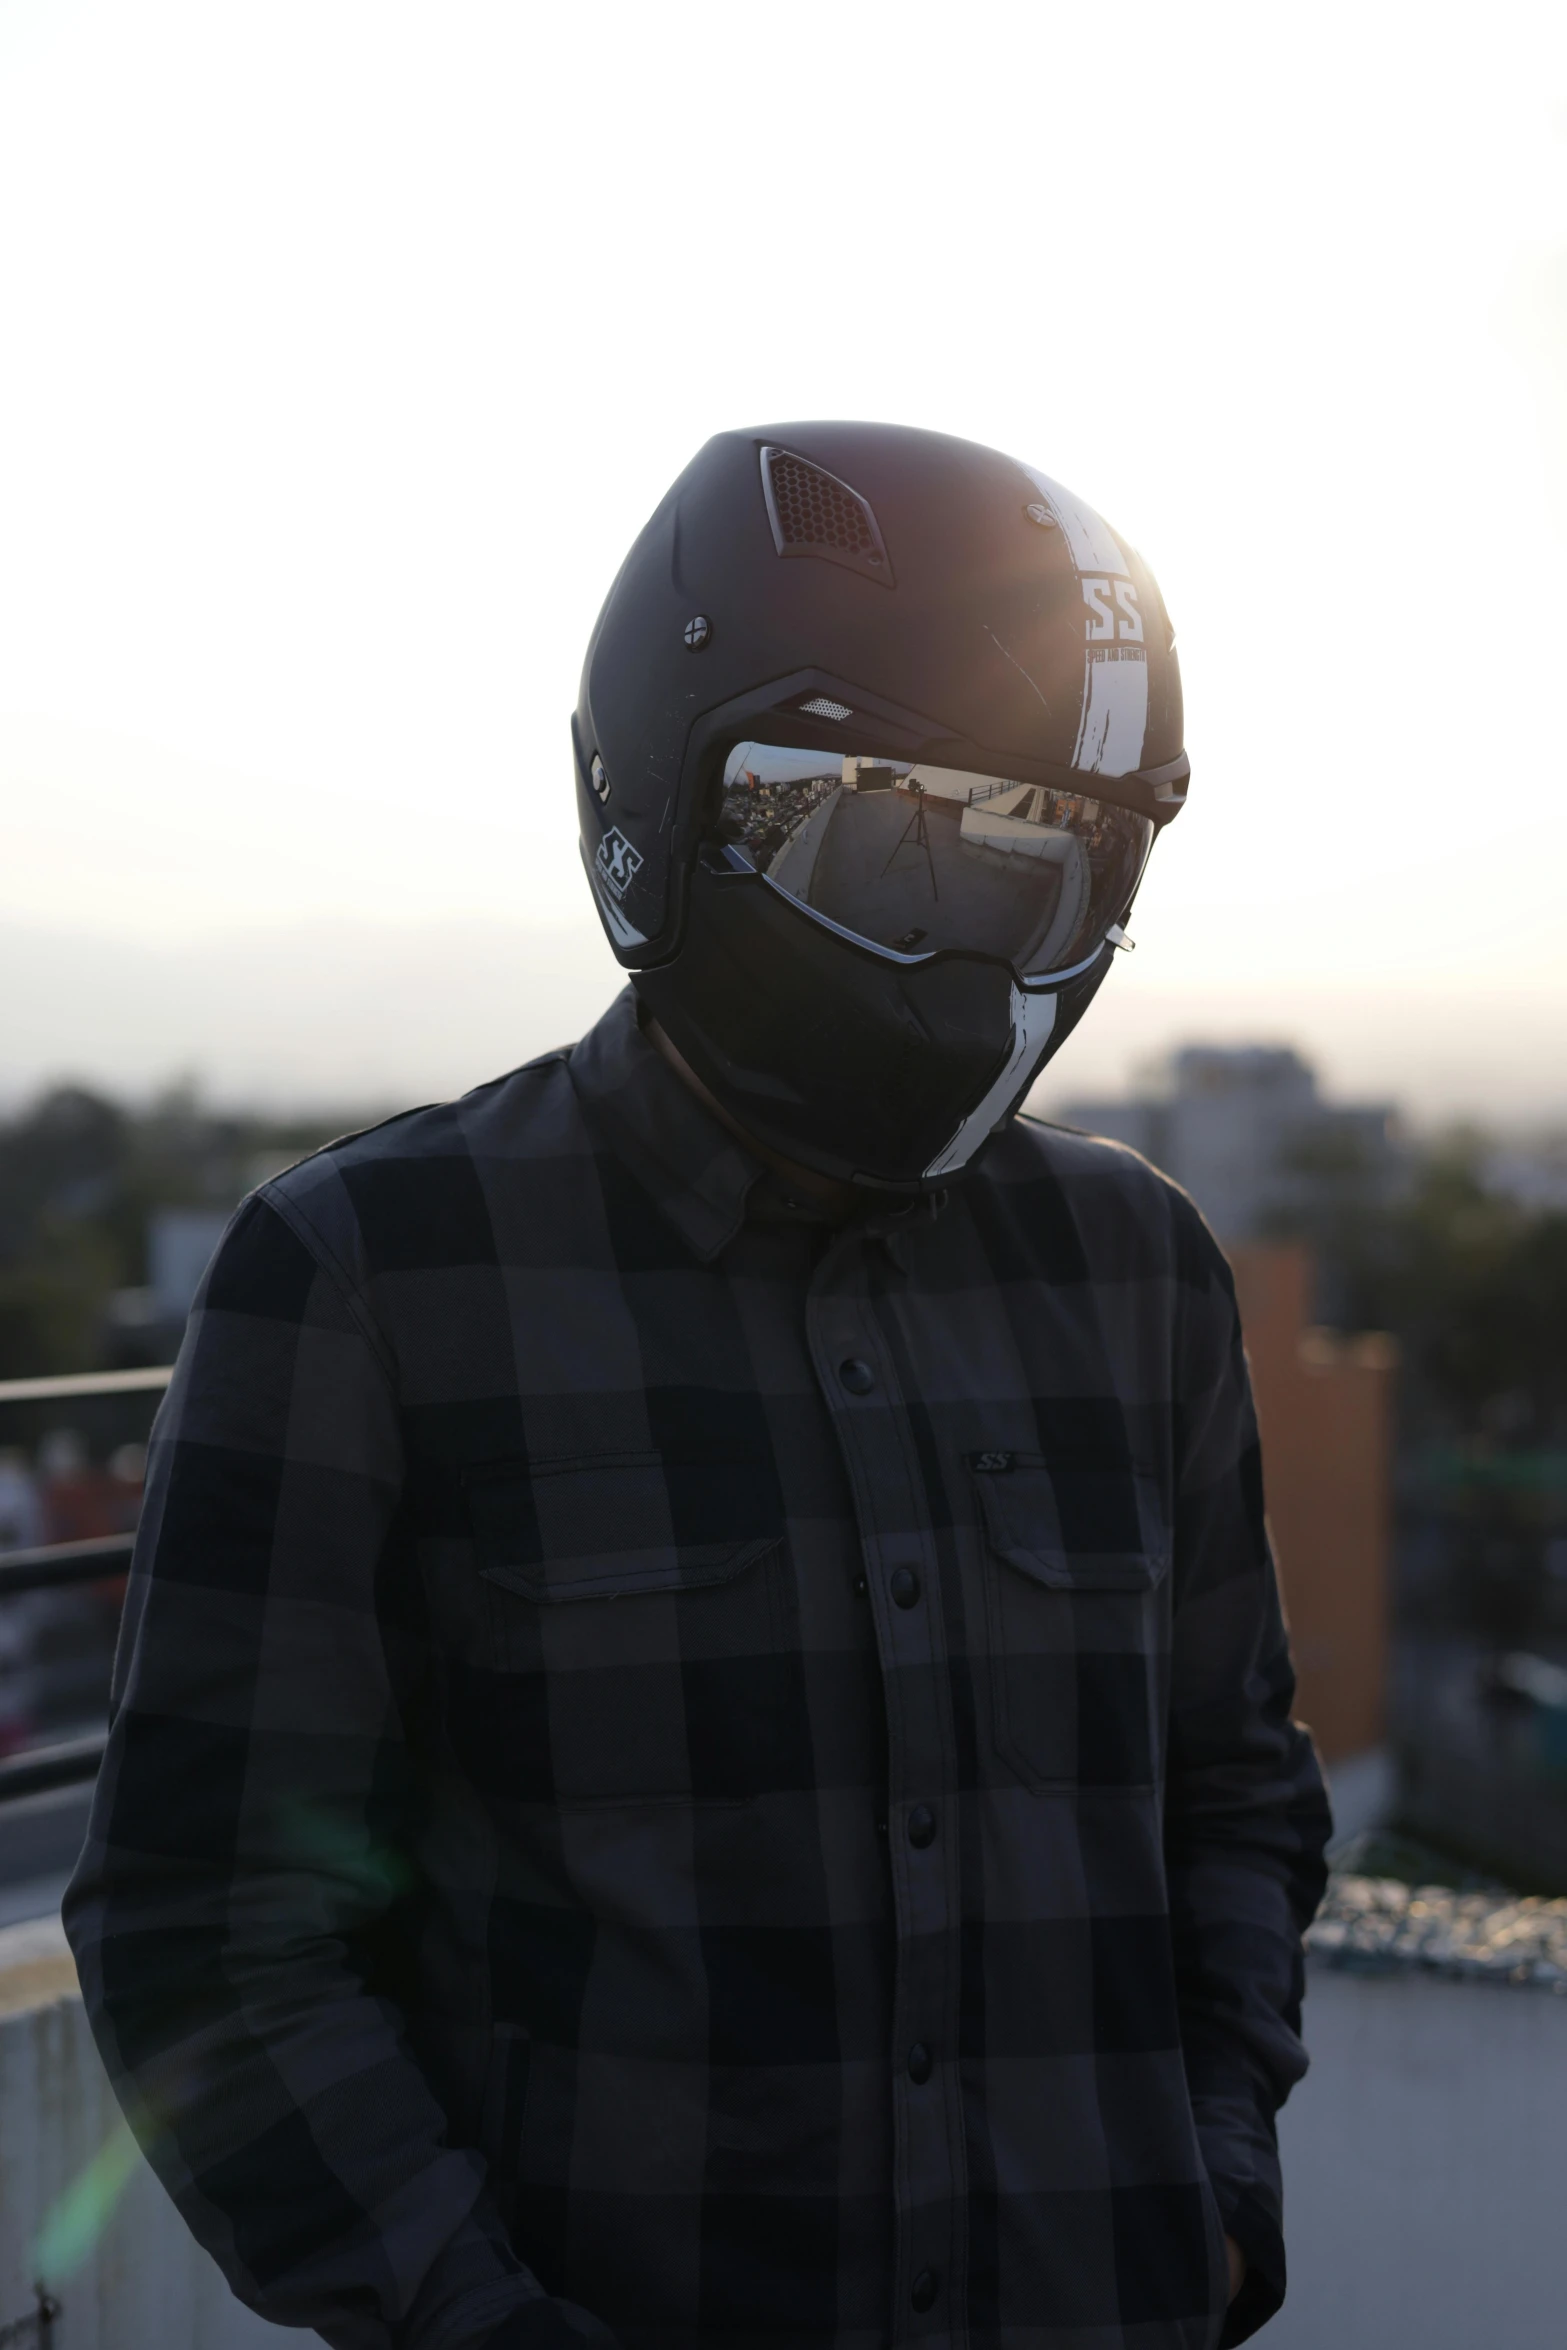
[1102, 621]
[617, 861]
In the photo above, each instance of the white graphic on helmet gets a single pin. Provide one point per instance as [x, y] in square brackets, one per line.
[1114, 720]
[617, 861]
[1105, 622]
[1033, 1022]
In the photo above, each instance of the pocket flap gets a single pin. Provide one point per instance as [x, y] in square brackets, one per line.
[616, 1526]
[1073, 1526]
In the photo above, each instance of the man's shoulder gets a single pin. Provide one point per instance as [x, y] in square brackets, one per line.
[413, 1189]
[511, 1115]
[1032, 1147]
[1126, 1212]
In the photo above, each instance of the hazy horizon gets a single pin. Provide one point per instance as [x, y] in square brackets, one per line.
[331, 1014]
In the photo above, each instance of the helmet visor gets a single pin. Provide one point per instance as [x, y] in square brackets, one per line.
[911, 859]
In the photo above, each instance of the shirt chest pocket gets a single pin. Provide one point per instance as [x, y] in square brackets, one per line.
[638, 1633]
[1076, 1563]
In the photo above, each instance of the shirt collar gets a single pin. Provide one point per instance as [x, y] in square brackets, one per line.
[692, 1168]
[695, 1172]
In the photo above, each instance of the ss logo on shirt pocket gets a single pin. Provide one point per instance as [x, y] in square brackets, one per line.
[1076, 1554]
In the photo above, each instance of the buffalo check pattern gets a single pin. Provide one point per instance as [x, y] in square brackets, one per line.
[686, 1772]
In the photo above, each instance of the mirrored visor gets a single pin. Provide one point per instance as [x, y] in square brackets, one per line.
[915, 859]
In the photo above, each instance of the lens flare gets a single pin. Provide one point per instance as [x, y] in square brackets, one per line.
[376, 1873]
[80, 2216]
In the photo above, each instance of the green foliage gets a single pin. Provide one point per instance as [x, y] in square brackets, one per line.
[80, 1178]
[1473, 1282]
[53, 1296]
[1480, 1284]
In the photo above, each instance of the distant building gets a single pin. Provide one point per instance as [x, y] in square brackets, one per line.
[1244, 1129]
[1531, 1171]
[144, 1325]
[181, 1243]
[1325, 1407]
[861, 774]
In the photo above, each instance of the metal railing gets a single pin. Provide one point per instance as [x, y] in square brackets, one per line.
[85, 1383]
[35, 2325]
[54, 1566]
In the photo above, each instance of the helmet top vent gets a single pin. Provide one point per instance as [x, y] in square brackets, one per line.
[812, 512]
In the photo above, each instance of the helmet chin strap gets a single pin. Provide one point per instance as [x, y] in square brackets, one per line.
[1033, 1019]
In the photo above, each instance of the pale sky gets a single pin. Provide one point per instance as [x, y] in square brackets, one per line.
[347, 346]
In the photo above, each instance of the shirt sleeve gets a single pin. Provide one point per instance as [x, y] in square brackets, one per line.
[248, 1843]
[1246, 1819]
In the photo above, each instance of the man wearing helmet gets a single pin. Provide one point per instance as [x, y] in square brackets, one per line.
[702, 1749]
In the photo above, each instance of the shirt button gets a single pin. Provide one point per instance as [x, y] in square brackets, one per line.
[922, 1826]
[919, 2064]
[857, 1377]
[923, 2291]
[860, 1587]
[904, 1585]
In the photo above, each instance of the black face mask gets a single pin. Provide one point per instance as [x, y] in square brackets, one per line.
[887, 1071]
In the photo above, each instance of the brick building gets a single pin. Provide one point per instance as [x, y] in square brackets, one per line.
[1325, 1403]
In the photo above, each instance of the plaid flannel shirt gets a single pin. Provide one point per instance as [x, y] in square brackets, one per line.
[727, 1769]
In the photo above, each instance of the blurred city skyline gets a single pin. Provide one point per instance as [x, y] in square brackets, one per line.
[349, 355]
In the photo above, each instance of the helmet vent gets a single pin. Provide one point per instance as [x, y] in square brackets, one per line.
[814, 513]
[819, 706]
[815, 510]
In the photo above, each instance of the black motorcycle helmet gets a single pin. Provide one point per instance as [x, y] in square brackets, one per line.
[875, 731]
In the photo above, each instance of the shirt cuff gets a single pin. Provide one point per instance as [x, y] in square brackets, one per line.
[1256, 2230]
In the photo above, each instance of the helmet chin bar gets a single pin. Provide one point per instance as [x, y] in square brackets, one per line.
[883, 1073]
[1033, 1020]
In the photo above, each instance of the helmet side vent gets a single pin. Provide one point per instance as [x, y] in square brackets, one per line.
[813, 513]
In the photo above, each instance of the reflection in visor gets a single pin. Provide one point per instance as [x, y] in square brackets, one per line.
[918, 858]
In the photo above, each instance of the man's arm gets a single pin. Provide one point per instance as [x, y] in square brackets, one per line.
[1246, 1815]
[249, 1827]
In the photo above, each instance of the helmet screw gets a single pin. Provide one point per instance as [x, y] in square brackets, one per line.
[1042, 515]
[599, 780]
[698, 629]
